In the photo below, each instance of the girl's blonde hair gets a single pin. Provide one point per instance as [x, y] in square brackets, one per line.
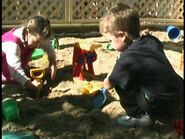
[41, 25]
[120, 17]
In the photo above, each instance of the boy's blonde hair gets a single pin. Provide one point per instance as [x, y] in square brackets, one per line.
[41, 25]
[120, 17]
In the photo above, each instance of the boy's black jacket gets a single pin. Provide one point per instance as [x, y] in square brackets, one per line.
[145, 64]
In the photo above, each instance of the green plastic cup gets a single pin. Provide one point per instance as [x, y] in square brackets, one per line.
[10, 110]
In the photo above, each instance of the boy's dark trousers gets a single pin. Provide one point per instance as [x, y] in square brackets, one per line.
[136, 102]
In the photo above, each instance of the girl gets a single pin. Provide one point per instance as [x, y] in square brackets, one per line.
[18, 45]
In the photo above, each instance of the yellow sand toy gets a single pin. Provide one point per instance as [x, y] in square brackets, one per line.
[84, 53]
[37, 74]
[182, 60]
[88, 88]
[88, 46]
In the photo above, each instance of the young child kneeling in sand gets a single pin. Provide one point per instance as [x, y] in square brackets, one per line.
[148, 87]
[18, 45]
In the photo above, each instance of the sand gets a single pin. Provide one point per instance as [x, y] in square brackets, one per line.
[64, 112]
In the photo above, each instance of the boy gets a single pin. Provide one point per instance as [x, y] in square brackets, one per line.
[147, 84]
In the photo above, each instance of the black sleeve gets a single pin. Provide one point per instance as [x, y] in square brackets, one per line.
[123, 71]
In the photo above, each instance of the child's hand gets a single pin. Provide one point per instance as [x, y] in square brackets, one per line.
[33, 85]
[38, 85]
[53, 70]
[106, 83]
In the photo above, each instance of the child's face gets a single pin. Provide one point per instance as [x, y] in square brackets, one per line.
[34, 40]
[117, 42]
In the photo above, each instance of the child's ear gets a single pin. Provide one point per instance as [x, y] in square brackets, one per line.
[122, 35]
[27, 30]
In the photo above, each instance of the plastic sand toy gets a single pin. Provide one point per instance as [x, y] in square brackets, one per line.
[91, 88]
[173, 32]
[55, 43]
[38, 53]
[37, 74]
[83, 57]
[10, 110]
[16, 135]
[182, 60]
[88, 88]
[100, 98]
[109, 47]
